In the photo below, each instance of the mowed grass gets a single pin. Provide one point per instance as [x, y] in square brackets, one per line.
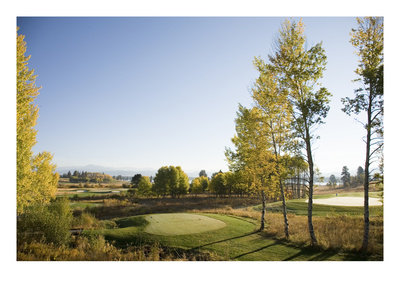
[300, 207]
[238, 240]
[181, 223]
[85, 192]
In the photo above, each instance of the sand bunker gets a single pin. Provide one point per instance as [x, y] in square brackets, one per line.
[347, 201]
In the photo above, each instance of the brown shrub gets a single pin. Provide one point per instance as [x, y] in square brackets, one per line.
[98, 249]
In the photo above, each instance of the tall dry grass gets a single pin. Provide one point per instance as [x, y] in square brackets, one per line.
[98, 249]
[333, 233]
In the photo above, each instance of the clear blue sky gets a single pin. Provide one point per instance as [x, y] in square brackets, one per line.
[147, 92]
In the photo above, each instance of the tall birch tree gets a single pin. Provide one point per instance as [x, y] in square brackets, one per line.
[299, 70]
[368, 41]
[273, 111]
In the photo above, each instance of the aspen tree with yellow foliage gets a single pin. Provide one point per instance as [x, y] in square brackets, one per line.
[368, 42]
[36, 177]
[299, 69]
[273, 113]
[254, 157]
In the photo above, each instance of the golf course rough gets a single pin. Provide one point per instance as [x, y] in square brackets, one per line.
[181, 224]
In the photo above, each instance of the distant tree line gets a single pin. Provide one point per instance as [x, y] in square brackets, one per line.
[348, 180]
[120, 177]
[172, 181]
[79, 175]
[241, 184]
[86, 177]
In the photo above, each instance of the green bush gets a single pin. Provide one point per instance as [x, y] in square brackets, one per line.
[46, 223]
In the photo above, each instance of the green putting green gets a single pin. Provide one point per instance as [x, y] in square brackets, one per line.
[181, 224]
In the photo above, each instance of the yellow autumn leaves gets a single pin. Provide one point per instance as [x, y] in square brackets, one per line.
[36, 180]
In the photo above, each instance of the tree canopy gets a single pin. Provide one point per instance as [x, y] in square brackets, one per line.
[171, 181]
[36, 177]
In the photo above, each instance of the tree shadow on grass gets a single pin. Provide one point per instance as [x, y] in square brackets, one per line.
[225, 240]
[315, 254]
[310, 252]
[307, 253]
[262, 248]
